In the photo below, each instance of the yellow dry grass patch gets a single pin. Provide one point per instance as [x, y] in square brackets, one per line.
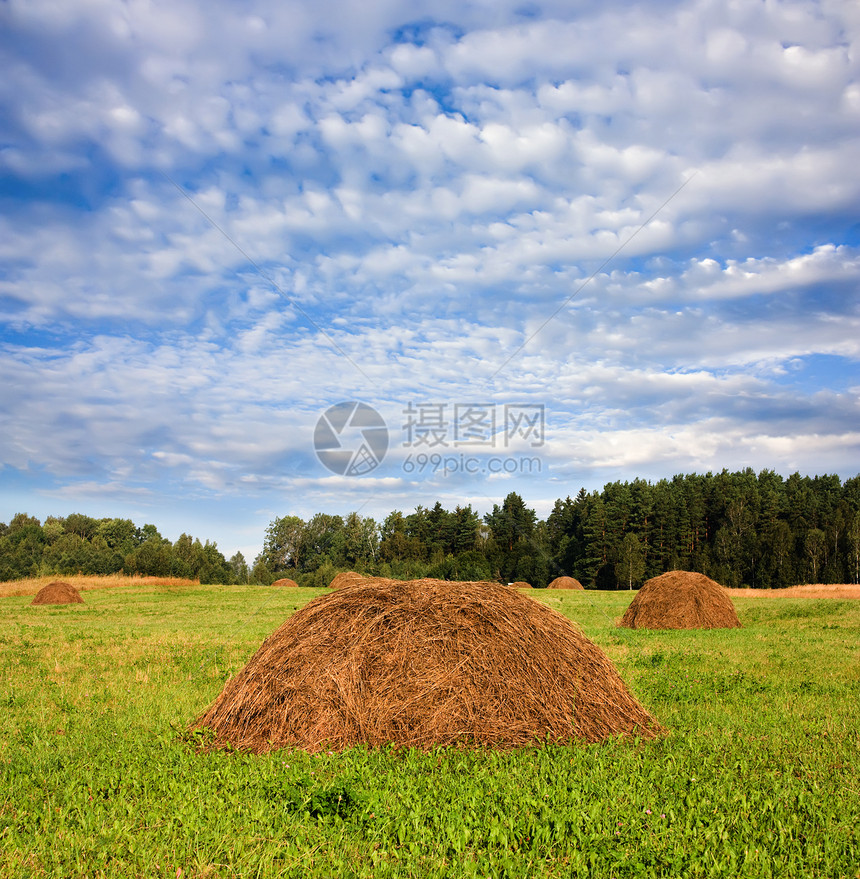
[31, 585]
[806, 590]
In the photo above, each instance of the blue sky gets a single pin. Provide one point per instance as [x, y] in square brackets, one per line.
[219, 220]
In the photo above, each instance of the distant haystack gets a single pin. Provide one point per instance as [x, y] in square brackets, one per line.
[521, 584]
[424, 664]
[681, 600]
[565, 583]
[58, 592]
[286, 582]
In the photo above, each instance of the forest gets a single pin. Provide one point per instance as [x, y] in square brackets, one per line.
[742, 529]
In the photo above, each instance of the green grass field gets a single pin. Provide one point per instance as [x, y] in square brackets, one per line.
[759, 777]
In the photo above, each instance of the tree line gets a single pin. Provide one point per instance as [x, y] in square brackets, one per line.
[741, 529]
[79, 544]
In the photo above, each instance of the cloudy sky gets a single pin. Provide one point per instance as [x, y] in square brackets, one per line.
[552, 244]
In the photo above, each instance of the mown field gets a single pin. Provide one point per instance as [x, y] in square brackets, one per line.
[759, 777]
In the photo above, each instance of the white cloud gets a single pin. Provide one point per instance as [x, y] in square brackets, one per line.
[827, 264]
[397, 215]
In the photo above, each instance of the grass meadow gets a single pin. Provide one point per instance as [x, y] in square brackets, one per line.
[759, 776]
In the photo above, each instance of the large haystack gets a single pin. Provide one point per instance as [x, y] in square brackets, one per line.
[421, 664]
[681, 600]
[58, 592]
[286, 582]
[565, 583]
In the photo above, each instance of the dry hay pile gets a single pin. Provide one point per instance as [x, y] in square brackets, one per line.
[422, 664]
[58, 592]
[521, 584]
[681, 600]
[345, 578]
[286, 582]
[565, 583]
